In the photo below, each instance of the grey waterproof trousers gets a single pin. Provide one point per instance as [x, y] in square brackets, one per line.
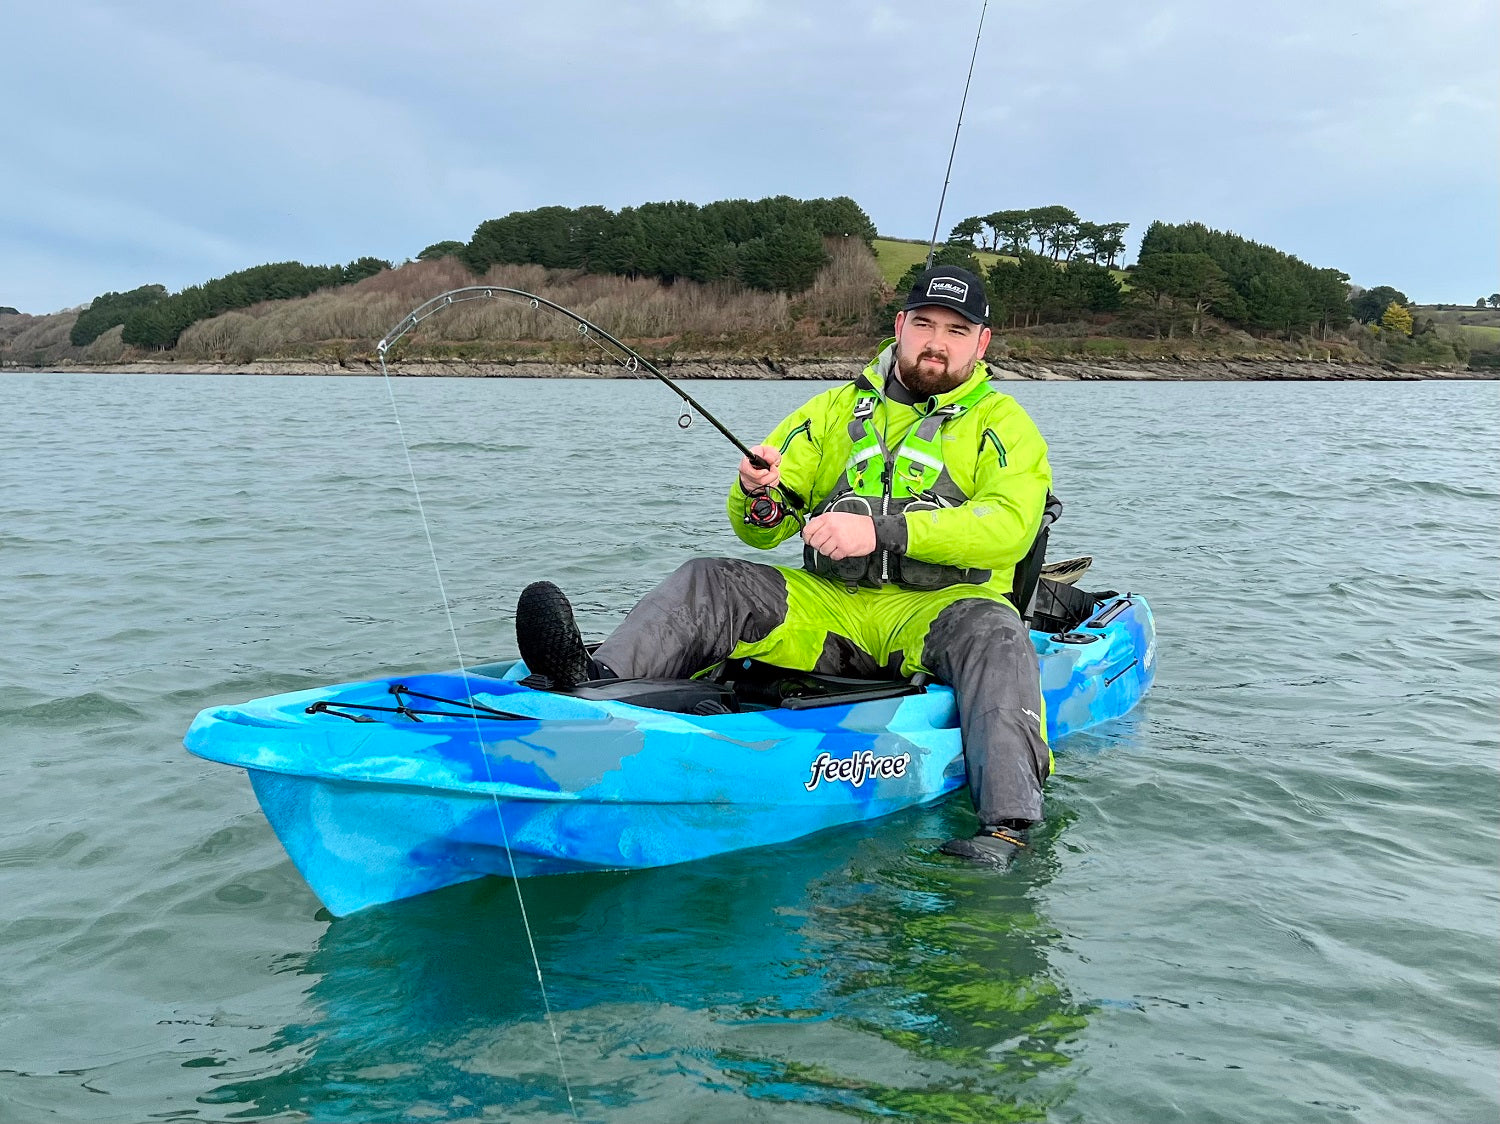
[710, 609]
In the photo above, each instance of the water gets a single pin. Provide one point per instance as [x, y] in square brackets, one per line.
[1269, 894]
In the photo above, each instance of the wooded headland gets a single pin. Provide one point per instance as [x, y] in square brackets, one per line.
[770, 287]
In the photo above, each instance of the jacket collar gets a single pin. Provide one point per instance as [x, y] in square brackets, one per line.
[885, 367]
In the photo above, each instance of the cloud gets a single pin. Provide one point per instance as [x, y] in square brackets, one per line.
[179, 141]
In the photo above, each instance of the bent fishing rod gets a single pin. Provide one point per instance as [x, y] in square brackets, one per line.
[622, 353]
[932, 243]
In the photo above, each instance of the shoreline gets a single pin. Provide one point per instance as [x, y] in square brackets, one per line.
[807, 369]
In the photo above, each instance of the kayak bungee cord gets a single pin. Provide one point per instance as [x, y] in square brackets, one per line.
[463, 670]
[613, 348]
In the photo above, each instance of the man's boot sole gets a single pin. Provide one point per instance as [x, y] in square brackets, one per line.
[548, 636]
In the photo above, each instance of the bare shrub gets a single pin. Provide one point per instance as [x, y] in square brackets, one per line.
[413, 283]
[643, 308]
[633, 308]
[107, 348]
[39, 340]
[214, 338]
[850, 289]
[349, 320]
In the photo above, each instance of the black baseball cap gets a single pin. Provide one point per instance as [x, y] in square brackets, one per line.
[951, 287]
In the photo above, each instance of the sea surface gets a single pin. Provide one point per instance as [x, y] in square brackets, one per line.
[1271, 893]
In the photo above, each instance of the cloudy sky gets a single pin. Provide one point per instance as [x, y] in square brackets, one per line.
[171, 142]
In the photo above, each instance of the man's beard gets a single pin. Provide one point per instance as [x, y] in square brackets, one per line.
[928, 382]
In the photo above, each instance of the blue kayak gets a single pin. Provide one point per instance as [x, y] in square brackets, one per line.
[387, 788]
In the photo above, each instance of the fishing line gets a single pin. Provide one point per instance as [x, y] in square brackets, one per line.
[932, 244]
[463, 671]
[634, 363]
[627, 357]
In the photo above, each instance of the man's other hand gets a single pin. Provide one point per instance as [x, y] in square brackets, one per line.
[841, 534]
[752, 478]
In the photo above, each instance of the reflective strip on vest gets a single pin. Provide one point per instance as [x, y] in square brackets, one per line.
[916, 477]
[918, 463]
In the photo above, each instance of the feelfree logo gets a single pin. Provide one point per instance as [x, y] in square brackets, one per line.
[856, 769]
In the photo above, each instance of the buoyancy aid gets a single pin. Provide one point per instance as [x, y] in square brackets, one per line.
[876, 483]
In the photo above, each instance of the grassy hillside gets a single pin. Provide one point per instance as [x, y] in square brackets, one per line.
[1449, 314]
[1479, 326]
[1481, 335]
[897, 255]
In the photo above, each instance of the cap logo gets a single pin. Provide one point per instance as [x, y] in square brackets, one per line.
[948, 287]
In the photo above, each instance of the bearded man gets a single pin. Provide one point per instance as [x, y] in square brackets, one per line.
[926, 488]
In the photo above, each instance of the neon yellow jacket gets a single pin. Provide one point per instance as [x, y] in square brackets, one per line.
[993, 452]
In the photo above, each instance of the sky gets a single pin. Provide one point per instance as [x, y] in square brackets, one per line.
[171, 142]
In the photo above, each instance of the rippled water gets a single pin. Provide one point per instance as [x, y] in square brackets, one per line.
[1269, 894]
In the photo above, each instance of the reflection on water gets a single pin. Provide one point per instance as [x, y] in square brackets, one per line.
[851, 972]
[1244, 934]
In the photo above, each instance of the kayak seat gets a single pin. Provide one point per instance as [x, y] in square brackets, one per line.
[679, 696]
[758, 685]
[1029, 569]
[744, 685]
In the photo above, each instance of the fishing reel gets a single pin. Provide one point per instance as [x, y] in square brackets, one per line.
[764, 509]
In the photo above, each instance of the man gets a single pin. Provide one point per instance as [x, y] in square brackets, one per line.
[926, 488]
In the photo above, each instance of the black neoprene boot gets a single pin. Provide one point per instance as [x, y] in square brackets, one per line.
[992, 845]
[548, 638]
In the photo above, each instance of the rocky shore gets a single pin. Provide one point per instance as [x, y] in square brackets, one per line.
[828, 369]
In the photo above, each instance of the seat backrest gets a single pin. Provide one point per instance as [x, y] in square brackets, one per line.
[1029, 569]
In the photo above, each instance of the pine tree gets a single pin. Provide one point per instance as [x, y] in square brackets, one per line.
[1397, 318]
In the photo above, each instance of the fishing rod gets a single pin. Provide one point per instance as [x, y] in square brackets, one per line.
[632, 360]
[932, 243]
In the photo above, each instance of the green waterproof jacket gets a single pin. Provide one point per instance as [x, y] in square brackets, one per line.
[993, 453]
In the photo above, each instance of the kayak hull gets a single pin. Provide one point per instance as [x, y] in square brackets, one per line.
[374, 806]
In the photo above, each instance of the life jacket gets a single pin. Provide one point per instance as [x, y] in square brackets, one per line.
[875, 482]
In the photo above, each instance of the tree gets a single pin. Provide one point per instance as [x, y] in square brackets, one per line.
[1494, 300]
[160, 323]
[1024, 289]
[1151, 288]
[967, 231]
[1089, 234]
[446, 249]
[1367, 305]
[774, 243]
[1087, 286]
[1397, 318]
[1328, 300]
[1168, 282]
[785, 260]
[839, 217]
[1200, 283]
[110, 309]
[1052, 225]
[1268, 289]
[361, 268]
[1008, 231]
[1278, 298]
[1110, 241]
[1065, 241]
